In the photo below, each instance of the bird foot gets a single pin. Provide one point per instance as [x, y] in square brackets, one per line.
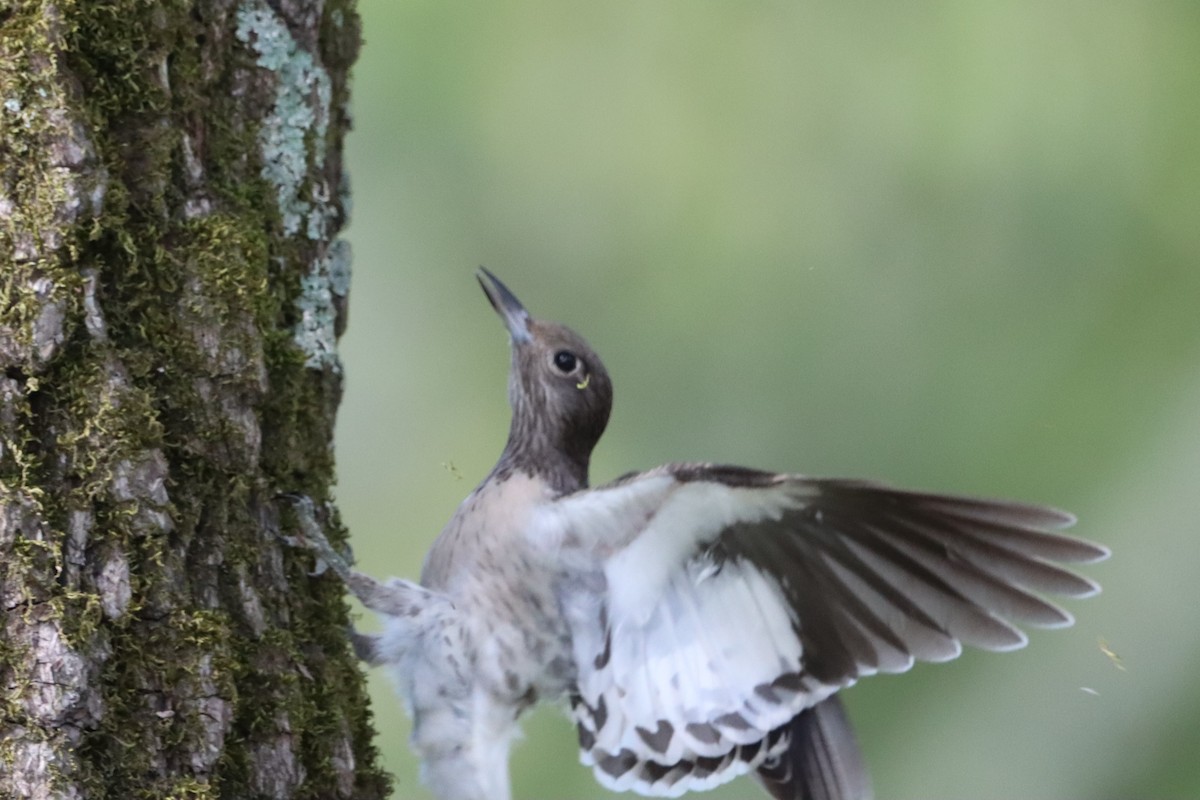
[312, 537]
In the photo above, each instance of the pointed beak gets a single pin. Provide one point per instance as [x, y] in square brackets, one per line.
[515, 317]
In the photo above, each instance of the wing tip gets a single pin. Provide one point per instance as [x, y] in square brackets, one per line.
[1092, 588]
[1100, 552]
[1057, 617]
[1018, 642]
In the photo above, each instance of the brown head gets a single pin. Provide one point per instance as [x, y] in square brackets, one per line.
[560, 394]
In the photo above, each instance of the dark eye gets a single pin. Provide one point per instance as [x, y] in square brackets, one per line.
[565, 361]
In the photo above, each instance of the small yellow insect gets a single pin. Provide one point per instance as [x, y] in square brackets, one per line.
[584, 383]
[1112, 655]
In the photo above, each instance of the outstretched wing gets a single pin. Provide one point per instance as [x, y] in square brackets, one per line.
[732, 600]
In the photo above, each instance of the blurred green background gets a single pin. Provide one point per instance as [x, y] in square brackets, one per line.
[951, 245]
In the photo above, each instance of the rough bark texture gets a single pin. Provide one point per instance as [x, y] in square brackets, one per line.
[171, 290]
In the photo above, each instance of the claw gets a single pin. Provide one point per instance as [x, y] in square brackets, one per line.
[313, 538]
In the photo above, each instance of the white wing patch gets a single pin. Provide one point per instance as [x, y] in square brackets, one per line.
[705, 668]
[694, 514]
[584, 525]
[709, 654]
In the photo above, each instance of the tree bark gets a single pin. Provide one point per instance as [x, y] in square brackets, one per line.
[171, 291]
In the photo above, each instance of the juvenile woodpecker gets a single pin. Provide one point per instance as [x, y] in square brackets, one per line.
[698, 619]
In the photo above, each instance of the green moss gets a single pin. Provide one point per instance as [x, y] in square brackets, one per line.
[34, 191]
[230, 256]
[11, 656]
[164, 669]
[191, 789]
[156, 94]
[101, 418]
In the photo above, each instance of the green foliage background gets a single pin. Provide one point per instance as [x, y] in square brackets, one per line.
[951, 245]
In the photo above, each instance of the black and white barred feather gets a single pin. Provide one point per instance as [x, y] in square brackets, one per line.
[733, 603]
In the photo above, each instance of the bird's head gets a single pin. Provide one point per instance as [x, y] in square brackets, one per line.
[560, 393]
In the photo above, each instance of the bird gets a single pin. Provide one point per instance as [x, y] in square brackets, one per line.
[696, 620]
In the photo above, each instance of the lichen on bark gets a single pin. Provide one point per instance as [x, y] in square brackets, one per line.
[160, 391]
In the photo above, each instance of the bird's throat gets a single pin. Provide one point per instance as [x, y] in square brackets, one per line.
[561, 465]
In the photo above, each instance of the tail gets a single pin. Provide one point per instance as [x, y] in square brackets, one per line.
[822, 761]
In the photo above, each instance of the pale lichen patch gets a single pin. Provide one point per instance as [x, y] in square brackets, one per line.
[302, 97]
[326, 284]
[338, 264]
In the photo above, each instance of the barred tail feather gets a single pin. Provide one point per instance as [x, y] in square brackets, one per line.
[822, 761]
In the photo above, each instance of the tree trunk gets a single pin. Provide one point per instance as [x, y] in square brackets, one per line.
[171, 290]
